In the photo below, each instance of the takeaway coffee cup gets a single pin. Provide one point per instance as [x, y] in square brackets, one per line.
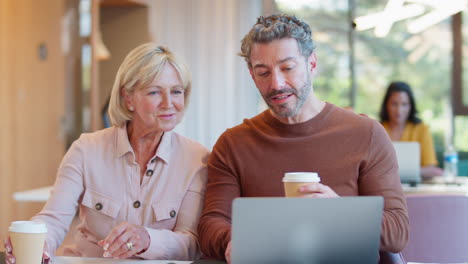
[293, 180]
[27, 239]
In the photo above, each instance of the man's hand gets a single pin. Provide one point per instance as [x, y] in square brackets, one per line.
[317, 190]
[227, 253]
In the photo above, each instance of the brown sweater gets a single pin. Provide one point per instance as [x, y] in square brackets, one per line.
[352, 154]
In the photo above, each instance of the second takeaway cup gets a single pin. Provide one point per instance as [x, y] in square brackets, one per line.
[27, 239]
[293, 180]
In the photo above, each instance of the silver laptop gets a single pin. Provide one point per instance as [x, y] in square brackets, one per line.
[409, 161]
[306, 230]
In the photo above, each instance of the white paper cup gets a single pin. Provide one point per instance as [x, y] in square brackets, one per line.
[27, 239]
[293, 180]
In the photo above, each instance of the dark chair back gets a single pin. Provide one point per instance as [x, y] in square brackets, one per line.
[438, 229]
[391, 258]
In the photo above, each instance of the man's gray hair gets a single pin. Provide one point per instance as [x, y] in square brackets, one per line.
[275, 27]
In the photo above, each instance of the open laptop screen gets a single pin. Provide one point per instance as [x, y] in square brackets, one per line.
[409, 161]
[306, 230]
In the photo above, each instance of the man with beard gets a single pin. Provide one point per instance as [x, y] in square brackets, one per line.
[299, 132]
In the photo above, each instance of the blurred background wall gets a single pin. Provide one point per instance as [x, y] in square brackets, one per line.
[33, 71]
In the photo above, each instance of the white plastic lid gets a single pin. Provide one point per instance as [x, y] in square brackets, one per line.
[301, 177]
[28, 227]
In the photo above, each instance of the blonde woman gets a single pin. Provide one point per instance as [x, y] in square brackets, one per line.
[139, 187]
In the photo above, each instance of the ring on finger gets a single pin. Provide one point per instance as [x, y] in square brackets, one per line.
[129, 246]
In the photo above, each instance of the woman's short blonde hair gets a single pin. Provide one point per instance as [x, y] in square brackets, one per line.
[141, 66]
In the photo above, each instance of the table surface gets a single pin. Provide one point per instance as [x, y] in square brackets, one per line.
[438, 186]
[75, 260]
[434, 186]
[34, 195]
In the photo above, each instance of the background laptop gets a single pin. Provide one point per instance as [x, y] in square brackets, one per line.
[306, 230]
[409, 161]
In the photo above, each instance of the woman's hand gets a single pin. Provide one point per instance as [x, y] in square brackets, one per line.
[125, 240]
[10, 258]
[431, 171]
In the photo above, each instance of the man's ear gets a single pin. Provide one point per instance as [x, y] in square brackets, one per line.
[312, 62]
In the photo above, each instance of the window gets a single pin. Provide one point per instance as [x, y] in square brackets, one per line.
[424, 60]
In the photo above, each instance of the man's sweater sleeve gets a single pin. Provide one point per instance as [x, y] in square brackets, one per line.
[214, 228]
[379, 177]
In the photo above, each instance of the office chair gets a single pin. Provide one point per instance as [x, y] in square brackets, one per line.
[438, 229]
[391, 258]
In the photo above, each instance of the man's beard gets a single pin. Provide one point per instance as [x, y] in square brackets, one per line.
[283, 110]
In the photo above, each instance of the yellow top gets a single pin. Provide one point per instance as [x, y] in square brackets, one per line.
[419, 133]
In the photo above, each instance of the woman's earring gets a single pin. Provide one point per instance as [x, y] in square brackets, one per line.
[130, 108]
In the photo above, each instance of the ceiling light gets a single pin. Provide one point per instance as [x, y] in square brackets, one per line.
[370, 21]
[436, 16]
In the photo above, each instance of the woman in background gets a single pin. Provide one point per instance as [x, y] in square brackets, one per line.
[398, 115]
[139, 187]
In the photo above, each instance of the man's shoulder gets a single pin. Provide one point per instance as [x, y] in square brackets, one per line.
[240, 134]
[343, 117]
[247, 126]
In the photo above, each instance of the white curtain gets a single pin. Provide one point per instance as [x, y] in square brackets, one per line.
[207, 34]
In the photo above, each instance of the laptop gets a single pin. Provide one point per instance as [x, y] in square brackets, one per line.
[409, 161]
[306, 230]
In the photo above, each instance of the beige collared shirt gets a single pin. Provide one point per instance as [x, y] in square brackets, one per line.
[100, 177]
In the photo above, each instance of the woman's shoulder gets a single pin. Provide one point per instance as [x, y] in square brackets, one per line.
[187, 143]
[421, 126]
[99, 135]
[98, 138]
